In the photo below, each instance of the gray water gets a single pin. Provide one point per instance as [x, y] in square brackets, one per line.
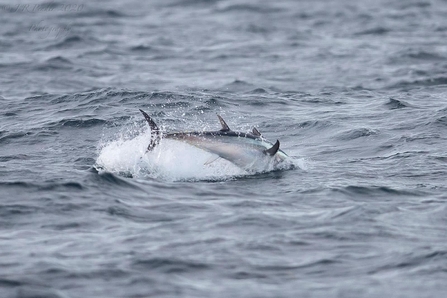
[356, 91]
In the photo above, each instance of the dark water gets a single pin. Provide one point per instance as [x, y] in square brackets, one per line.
[355, 90]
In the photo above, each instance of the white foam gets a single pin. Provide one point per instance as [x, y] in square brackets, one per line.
[170, 160]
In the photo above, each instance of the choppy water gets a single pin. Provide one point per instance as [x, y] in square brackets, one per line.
[355, 91]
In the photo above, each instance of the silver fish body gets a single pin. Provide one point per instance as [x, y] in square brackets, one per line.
[249, 151]
[244, 150]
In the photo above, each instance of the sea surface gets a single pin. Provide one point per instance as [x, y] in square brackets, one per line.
[356, 92]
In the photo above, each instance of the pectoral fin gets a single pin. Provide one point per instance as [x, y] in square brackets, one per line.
[211, 160]
[272, 151]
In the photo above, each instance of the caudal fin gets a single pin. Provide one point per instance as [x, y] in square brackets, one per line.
[155, 131]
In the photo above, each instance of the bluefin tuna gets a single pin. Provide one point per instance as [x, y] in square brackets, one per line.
[249, 151]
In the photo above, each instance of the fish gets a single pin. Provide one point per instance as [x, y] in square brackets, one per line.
[249, 151]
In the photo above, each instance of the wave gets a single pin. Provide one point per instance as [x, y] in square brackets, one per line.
[99, 13]
[315, 124]
[6, 137]
[169, 265]
[7, 282]
[373, 191]
[13, 157]
[34, 289]
[42, 186]
[416, 259]
[141, 215]
[81, 123]
[393, 104]
[412, 54]
[67, 42]
[249, 8]
[322, 101]
[237, 86]
[186, 3]
[357, 133]
[374, 31]
[429, 82]
[54, 63]
[111, 179]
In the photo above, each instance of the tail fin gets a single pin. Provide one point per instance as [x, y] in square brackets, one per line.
[155, 131]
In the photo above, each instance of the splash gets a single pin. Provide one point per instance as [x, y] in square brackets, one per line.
[170, 160]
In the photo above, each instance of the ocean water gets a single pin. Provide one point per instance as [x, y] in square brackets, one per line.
[356, 91]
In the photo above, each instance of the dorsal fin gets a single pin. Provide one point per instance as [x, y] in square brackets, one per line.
[224, 125]
[155, 131]
[272, 151]
[256, 132]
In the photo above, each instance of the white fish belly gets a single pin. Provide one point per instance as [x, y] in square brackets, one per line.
[245, 153]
